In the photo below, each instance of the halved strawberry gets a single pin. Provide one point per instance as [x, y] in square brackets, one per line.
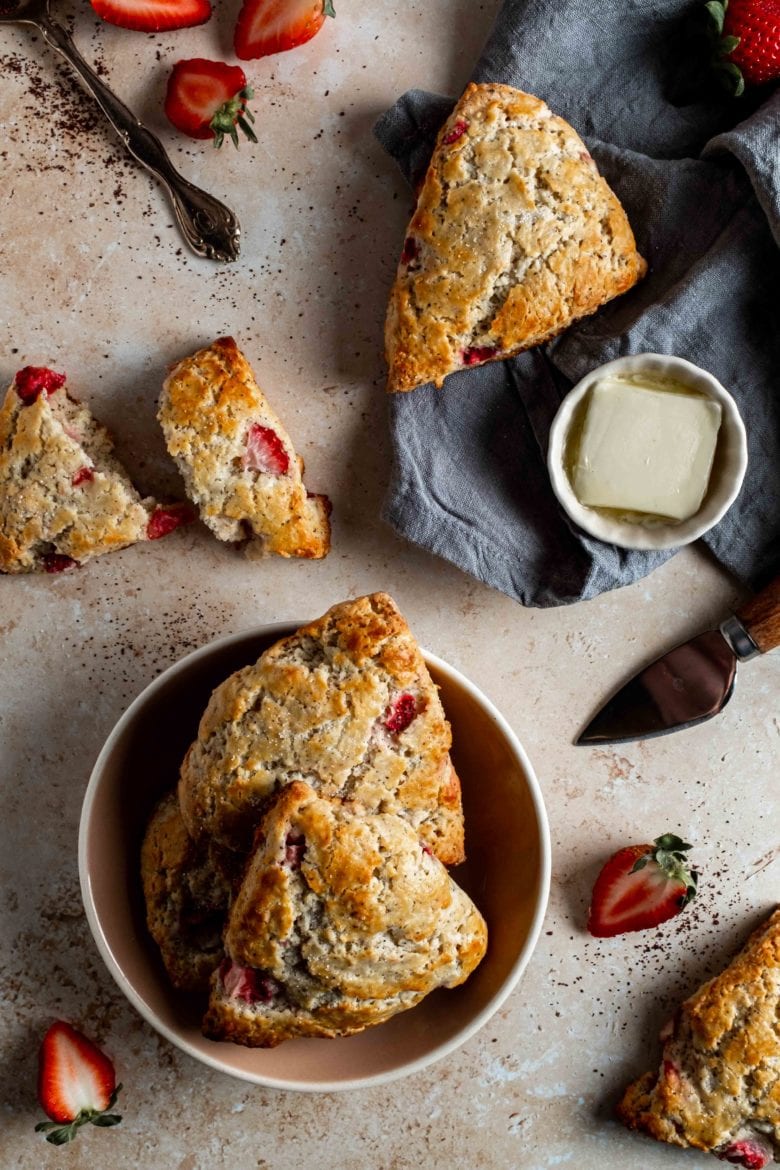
[207, 99]
[642, 886]
[153, 15]
[76, 1084]
[265, 451]
[272, 26]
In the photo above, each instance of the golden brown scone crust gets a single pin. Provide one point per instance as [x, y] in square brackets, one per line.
[187, 891]
[718, 1088]
[343, 919]
[209, 404]
[44, 446]
[515, 236]
[316, 707]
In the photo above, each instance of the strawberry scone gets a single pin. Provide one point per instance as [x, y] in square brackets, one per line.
[515, 236]
[346, 704]
[344, 918]
[64, 497]
[237, 460]
[718, 1087]
[187, 888]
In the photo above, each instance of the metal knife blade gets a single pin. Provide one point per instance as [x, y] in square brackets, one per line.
[692, 682]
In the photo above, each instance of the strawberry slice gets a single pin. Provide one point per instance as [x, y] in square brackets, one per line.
[265, 451]
[76, 1084]
[642, 886]
[207, 99]
[153, 15]
[273, 26]
[168, 518]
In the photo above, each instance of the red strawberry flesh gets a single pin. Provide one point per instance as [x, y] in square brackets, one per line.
[752, 1154]
[153, 15]
[265, 451]
[32, 381]
[478, 353]
[58, 563]
[247, 983]
[400, 713]
[166, 519]
[411, 250]
[294, 849]
[83, 475]
[274, 26]
[457, 131]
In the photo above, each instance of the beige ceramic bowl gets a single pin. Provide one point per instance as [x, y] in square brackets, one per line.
[507, 874]
[728, 469]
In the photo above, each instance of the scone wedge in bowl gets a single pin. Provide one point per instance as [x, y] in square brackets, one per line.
[718, 1087]
[64, 496]
[515, 236]
[237, 460]
[343, 919]
[347, 703]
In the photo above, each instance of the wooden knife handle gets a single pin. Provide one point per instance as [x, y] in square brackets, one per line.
[761, 617]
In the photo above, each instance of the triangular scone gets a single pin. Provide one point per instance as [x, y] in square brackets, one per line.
[187, 888]
[515, 236]
[347, 704]
[64, 497]
[343, 919]
[237, 460]
[718, 1088]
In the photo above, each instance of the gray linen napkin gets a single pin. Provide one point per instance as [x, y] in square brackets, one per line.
[703, 196]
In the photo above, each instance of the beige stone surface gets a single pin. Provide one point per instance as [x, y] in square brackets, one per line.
[95, 281]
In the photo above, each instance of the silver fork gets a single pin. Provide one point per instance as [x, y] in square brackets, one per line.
[209, 227]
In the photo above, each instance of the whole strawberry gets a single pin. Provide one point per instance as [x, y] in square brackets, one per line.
[749, 46]
[641, 886]
[76, 1084]
[207, 99]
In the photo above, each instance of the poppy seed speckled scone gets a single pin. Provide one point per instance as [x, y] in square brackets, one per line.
[515, 236]
[346, 704]
[343, 919]
[64, 497]
[187, 888]
[718, 1088]
[238, 463]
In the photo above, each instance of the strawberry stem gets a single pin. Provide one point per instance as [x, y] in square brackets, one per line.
[669, 855]
[327, 8]
[231, 114]
[60, 1135]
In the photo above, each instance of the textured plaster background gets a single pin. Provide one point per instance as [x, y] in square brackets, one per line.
[95, 281]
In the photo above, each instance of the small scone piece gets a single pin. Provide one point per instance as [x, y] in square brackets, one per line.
[718, 1088]
[237, 460]
[346, 704]
[344, 918]
[187, 892]
[64, 497]
[515, 236]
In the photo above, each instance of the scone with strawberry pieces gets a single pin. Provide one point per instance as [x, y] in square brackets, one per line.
[344, 918]
[718, 1087]
[515, 236]
[187, 888]
[64, 497]
[238, 462]
[347, 704]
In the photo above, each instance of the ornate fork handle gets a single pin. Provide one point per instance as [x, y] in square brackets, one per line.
[210, 228]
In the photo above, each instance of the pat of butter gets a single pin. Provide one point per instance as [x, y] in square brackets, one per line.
[646, 450]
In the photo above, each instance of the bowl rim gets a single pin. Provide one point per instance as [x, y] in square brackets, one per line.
[662, 536]
[437, 1053]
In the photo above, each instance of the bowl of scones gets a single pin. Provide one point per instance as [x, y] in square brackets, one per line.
[314, 856]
